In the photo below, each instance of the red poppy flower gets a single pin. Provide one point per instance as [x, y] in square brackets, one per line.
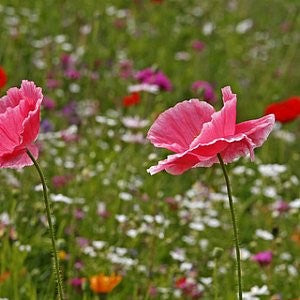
[132, 99]
[3, 77]
[285, 111]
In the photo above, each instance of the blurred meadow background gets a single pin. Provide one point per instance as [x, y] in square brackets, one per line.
[157, 232]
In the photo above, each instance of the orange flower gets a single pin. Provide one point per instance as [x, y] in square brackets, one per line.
[4, 276]
[296, 237]
[104, 284]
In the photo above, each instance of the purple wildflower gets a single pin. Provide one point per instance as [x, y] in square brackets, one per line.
[158, 78]
[198, 46]
[263, 258]
[46, 126]
[205, 89]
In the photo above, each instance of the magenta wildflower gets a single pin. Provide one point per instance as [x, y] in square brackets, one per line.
[162, 81]
[52, 83]
[143, 75]
[263, 258]
[205, 89]
[66, 61]
[82, 242]
[125, 69]
[48, 103]
[282, 206]
[79, 214]
[189, 287]
[78, 265]
[198, 46]
[60, 181]
[158, 78]
[77, 283]
[72, 74]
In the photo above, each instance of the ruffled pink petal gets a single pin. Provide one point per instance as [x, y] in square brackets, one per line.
[31, 123]
[203, 155]
[31, 126]
[216, 146]
[230, 148]
[176, 128]
[222, 123]
[238, 149]
[227, 94]
[206, 163]
[12, 99]
[10, 128]
[19, 124]
[175, 164]
[257, 130]
[31, 93]
[19, 159]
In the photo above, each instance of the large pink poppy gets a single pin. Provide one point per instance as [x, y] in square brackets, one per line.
[19, 124]
[197, 133]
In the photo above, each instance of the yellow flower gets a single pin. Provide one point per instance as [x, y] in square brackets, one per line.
[104, 284]
[62, 255]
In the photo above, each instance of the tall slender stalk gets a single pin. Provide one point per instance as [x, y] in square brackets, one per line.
[234, 225]
[51, 229]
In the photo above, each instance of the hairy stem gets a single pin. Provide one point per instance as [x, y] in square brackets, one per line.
[51, 228]
[234, 225]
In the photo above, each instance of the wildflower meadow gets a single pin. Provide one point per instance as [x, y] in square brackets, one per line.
[149, 149]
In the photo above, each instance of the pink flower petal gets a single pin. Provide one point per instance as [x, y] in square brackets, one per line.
[10, 129]
[220, 134]
[227, 94]
[203, 155]
[31, 93]
[236, 146]
[19, 159]
[30, 128]
[238, 149]
[175, 164]
[12, 99]
[222, 123]
[177, 127]
[19, 124]
[257, 130]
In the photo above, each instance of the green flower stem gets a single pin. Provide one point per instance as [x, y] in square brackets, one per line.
[215, 279]
[217, 253]
[234, 225]
[51, 229]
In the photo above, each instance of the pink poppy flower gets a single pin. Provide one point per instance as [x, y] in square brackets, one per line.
[19, 124]
[197, 133]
